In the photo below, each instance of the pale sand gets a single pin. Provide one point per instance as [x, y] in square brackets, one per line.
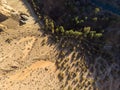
[24, 63]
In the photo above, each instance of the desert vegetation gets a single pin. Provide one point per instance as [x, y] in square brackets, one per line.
[79, 30]
[75, 25]
[59, 45]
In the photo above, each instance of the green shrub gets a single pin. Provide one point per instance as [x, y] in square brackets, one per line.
[77, 33]
[98, 35]
[61, 28]
[52, 26]
[82, 21]
[95, 19]
[97, 10]
[71, 32]
[87, 29]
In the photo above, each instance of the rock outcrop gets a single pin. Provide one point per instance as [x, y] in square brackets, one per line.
[6, 11]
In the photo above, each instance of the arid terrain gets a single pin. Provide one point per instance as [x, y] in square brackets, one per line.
[25, 64]
[30, 60]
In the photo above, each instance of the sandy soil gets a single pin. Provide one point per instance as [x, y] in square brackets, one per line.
[27, 57]
[25, 62]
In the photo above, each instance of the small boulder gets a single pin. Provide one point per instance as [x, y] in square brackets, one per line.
[22, 22]
[24, 17]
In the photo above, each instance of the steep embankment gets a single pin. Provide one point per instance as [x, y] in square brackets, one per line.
[85, 63]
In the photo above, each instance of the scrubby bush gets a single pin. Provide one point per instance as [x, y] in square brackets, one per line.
[97, 10]
[81, 25]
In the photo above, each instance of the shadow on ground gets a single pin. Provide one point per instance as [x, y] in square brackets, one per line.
[79, 70]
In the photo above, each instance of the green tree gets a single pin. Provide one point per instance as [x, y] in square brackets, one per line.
[52, 26]
[81, 21]
[67, 33]
[61, 28]
[46, 23]
[71, 32]
[98, 35]
[77, 33]
[92, 33]
[97, 10]
[87, 29]
[57, 30]
[95, 19]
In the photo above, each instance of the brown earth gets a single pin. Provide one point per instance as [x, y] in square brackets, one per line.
[27, 60]
[25, 63]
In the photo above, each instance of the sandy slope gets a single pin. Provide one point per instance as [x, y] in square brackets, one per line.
[25, 64]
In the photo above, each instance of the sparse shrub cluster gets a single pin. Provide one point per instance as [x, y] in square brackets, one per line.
[81, 25]
[60, 30]
[79, 28]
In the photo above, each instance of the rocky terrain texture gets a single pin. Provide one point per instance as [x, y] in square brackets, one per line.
[29, 60]
[26, 63]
